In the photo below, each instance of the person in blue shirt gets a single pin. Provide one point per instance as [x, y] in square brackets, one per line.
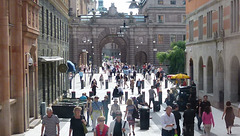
[81, 75]
[83, 98]
[96, 110]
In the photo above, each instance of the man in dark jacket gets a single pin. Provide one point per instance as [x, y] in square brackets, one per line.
[188, 121]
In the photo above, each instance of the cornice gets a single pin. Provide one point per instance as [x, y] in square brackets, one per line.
[61, 7]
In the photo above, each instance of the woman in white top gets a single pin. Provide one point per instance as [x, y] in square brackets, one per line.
[114, 108]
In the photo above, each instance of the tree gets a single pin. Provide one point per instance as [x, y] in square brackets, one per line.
[175, 57]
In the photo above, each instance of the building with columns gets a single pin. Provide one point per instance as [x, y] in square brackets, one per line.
[53, 50]
[212, 49]
[19, 29]
[137, 37]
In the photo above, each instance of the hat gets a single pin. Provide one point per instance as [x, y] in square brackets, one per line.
[96, 97]
[115, 100]
[118, 113]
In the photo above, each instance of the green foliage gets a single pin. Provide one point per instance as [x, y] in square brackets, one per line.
[175, 57]
[107, 57]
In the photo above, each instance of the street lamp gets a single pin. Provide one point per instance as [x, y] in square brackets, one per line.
[154, 52]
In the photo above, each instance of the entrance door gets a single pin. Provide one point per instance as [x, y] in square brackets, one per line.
[140, 58]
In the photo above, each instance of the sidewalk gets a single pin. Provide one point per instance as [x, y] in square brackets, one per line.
[155, 127]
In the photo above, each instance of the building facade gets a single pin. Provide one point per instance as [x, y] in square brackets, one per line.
[213, 49]
[53, 49]
[138, 37]
[81, 7]
[19, 29]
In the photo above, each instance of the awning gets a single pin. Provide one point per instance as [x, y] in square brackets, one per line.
[71, 66]
[49, 58]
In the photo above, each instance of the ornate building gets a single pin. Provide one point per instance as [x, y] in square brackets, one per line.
[213, 39]
[53, 49]
[138, 37]
[19, 29]
[81, 7]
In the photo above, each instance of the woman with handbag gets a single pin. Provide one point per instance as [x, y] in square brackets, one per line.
[77, 123]
[129, 114]
[101, 128]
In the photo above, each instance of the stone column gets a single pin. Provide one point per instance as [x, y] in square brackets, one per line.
[75, 51]
[96, 53]
[150, 45]
[5, 123]
[132, 47]
[17, 67]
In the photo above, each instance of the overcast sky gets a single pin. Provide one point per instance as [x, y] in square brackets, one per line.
[122, 5]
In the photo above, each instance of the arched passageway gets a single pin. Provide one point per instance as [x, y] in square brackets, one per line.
[140, 58]
[235, 82]
[200, 74]
[209, 75]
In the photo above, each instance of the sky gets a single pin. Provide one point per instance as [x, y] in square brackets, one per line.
[122, 6]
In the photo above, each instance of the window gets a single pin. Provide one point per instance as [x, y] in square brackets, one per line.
[51, 25]
[220, 19]
[234, 16]
[100, 4]
[160, 18]
[173, 2]
[209, 24]
[184, 37]
[43, 20]
[60, 30]
[173, 38]
[160, 39]
[47, 22]
[191, 31]
[184, 18]
[184, 2]
[55, 35]
[160, 2]
[200, 28]
[57, 28]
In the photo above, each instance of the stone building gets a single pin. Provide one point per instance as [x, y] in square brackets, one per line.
[213, 39]
[138, 37]
[19, 29]
[53, 49]
[81, 7]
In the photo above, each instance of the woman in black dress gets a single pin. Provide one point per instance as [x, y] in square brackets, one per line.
[77, 123]
[229, 117]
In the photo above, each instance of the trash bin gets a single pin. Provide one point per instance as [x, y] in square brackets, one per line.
[106, 84]
[160, 97]
[144, 118]
[90, 93]
[43, 109]
[166, 83]
[143, 93]
[73, 94]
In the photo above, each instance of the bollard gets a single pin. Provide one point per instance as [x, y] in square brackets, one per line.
[143, 93]
[160, 97]
[109, 97]
[82, 84]
[106, 84]
[142, 84]
[90, 93]
[126, 96]
[73, 94]
[166, 83]
[43, 109]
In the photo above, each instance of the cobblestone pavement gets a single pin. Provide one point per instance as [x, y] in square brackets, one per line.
[155, 127]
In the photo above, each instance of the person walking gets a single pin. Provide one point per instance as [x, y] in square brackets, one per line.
[129, 114]
[101, 128]
[105, 108]
[101, 80]
[94, 88]
[132, 82]
[96, 111]
[118, 127]
[49, 123]
[208, 121]
[81, 75]
[152, 95]
[77, 123]
[120, 94]
[139, 86]
[114, 108]
[88, 106]
[177, 116]
[188, 121]
[198, 114]
[205, 103]
[125, 81]
[169, 126]
[229, 117]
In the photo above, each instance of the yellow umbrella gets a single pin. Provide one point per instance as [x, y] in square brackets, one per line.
[180, 76]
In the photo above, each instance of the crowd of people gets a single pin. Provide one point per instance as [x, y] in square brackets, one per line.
[123, 124]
